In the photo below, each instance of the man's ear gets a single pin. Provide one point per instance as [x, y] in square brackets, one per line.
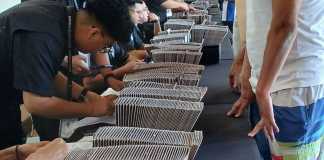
[94, 32]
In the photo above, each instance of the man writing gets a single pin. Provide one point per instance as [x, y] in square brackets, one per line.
[33, 38]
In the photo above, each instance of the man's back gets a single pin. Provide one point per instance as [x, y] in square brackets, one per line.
[45, 17]
[29, 32]
[35, 16]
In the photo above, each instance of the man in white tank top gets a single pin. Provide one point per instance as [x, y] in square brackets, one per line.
[285, 48]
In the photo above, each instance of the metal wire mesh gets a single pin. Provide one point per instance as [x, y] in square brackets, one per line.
[132, 152]
[157, 113]
[143, 84]
[112, 136]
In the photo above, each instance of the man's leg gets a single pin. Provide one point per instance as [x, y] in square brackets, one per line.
[301, 132]
[321, 156]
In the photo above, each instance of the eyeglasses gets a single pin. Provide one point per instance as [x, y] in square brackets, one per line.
[104, 50]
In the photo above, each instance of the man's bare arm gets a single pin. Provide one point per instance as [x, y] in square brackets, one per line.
[280, 39]
[281, 36]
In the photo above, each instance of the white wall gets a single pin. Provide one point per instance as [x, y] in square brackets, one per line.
[5, 4]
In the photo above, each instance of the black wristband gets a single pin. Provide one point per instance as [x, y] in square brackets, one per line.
[83, 94]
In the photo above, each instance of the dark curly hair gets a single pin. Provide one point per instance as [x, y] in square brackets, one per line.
[132, 3]
[114, 16]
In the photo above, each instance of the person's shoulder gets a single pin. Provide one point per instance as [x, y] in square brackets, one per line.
[36, 42]
[39, 16]
[46, 8]
[154, 2]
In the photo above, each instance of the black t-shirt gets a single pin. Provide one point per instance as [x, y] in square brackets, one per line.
[117, 56]
[136, 39]
[147, 31]
[32, 46]
[155, 7]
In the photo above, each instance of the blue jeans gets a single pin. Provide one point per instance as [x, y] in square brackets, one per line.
[260, 138]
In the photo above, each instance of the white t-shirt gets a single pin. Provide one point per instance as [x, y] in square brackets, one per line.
[304, 66]
[236, 37]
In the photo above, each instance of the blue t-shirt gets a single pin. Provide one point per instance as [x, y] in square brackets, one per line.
[230, 10]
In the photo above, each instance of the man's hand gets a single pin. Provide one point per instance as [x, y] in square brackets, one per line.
[247, 96]
[191, 8]
[94, 83]
[103, 106]
[153, 17]
[267, 122]
[55, 150]
[115, 84]
[92, 96]
[79, 65]
[236, 69]
[138, 54]
[132, 66]
[111, 104]
[183, 7]
[177, 6]
[239, 106]
[26, 149]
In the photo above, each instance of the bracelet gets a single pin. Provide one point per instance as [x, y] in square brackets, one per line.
[101, 66]
[83, 95]
[17, 152]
